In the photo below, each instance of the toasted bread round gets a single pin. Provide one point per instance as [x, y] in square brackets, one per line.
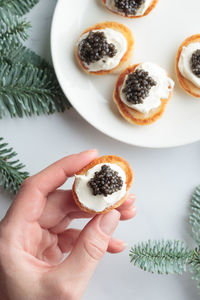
[186, 84]
[130, 114]
[117, 27]
[112, 159]
[149, 9]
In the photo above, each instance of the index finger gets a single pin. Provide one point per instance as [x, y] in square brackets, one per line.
[31, 199]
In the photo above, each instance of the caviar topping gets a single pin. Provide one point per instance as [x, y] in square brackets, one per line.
[129, 7]
[137, 86]
[94, 47]
[195, 63]
[105, 182]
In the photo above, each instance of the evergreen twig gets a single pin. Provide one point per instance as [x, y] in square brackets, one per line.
[28, 84]
[195, 265]
[23, 55]
[162, 257]
[11, 171]
[18, 7]
[194, 217]
[12, 29]
[29, 90]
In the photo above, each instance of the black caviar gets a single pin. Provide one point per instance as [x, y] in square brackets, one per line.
[137, 86]
[195, 63]
[129, 7]
[105, 182]
[95, 47]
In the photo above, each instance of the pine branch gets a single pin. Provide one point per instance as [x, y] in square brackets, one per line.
[12, 29]
[20, 54]
[23, 55]
[195, 265]
[162, 257]
[11, 173]
[29, 90]
[29, 59]
[194, 217]
[18, 7]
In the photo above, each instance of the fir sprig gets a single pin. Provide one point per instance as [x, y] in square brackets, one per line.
[18, 7]
[23, 55]
[194, 217]
[195, 265]
[172, 257]
[28, 84]
[12, 29]
[11, 170]
[29, 90]
[162, 257]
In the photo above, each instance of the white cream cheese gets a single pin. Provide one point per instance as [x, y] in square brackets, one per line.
[108, 63]
[184, 63]
[161, 91]
[99, 202]
[111, 5]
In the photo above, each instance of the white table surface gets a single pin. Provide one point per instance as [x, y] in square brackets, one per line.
[164, 180]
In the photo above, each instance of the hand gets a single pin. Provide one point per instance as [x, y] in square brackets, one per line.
[34, 238]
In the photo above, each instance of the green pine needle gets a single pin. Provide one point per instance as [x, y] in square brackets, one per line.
[28, 84]
[162, 257]
[195, 265]
[194, 217]
[18, 7]
[26, 58]
[11, 171]
[12, 29]
[29, 90]
[23, 55]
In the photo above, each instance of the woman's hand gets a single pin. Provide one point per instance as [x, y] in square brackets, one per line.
[34, 238]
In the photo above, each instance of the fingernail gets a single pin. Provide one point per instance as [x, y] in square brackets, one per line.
[109, 222]
[88, 151]
[134, 209]
[125, 245]
[121, 243]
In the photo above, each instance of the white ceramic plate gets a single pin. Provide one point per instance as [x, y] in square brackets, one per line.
[157, 37]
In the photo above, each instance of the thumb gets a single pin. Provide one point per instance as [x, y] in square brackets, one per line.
[89, 249]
